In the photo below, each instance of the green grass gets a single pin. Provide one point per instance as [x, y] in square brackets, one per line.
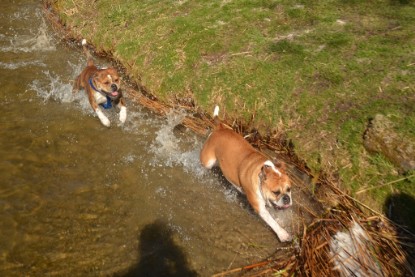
[322, 67]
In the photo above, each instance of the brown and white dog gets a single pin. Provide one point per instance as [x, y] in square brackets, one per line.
[249, 171]
[102, 87]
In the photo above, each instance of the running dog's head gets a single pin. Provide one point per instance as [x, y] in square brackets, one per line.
[108, 82]
[275, 185]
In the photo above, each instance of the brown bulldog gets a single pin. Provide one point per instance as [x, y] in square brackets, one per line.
[102, 87]
[251, 172]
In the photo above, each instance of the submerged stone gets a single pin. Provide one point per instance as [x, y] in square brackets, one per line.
[380, 137]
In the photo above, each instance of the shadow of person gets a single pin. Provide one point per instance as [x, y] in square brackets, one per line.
[399, 208]
[159, 255]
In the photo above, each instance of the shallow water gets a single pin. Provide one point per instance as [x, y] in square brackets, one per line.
[80, 199]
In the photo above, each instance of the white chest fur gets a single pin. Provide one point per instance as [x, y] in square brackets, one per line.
[99, 98]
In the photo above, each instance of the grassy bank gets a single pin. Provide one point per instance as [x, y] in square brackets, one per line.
[317, 70]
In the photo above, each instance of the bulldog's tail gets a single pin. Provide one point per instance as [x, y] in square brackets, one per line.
[218, 123]
[90, 60]
[216, 115]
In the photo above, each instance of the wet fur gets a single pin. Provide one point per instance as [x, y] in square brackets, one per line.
[245, 168]
[104, 80]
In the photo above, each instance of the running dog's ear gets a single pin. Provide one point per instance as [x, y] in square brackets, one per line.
[262, 174]
[267, 167]
[95, 75]
[264, 169]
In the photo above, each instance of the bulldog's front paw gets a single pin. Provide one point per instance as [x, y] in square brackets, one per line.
[284, 236]
[104, 120]
[123, 114]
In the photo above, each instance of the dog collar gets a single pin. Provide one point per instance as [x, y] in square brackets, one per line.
[93, 87]
[106, 105]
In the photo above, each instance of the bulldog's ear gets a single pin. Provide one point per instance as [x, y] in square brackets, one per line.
[267, 166]
[94, 80]
[95, 76]
[263, 173]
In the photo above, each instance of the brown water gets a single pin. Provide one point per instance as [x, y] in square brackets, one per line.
[79, 199]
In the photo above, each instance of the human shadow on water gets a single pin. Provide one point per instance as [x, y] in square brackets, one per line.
[159, 255]
[400, 209]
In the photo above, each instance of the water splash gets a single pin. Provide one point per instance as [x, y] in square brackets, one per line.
[135, 122]
[39, 41]
[52, 87]
[25, 13]
[168, 148]
[14, 66]
[171, 150]
[42, 41]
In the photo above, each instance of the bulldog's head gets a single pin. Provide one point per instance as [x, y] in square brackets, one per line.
[275, 185]
[108, 82]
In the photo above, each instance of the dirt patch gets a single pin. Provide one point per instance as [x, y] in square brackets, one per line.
[380, 137]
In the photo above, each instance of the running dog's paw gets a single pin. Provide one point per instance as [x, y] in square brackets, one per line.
[123, 114]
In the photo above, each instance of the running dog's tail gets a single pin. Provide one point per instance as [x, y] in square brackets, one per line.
[216, 119]
[90, 61]
[218, 123]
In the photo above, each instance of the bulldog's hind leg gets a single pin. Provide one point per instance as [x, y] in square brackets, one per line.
[207, 156]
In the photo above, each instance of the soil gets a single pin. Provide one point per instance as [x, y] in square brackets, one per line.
[380, 137]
